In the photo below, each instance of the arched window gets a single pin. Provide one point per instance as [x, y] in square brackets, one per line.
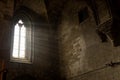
[19, 43]
[22, 41]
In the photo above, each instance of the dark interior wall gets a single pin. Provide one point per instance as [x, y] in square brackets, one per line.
[38, 6]
[6, 13]
[83, 55]
[46, 60]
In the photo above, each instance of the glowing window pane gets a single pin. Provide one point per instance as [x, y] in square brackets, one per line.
[22, 44]
[22, 54]
[15, 53]
[16, 41]
[23, 31]
[16, 31]
[20, 21]
[19, 41]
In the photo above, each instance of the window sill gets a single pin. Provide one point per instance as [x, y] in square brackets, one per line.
[26, 61]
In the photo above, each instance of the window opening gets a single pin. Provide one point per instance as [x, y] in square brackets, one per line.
[19, 41]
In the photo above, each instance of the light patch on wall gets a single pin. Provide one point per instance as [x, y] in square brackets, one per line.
[78, 54]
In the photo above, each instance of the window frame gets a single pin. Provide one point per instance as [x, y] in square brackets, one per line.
[27, 23]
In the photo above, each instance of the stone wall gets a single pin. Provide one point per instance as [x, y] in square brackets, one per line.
[6, 13]
[83, 55]
[46, 61]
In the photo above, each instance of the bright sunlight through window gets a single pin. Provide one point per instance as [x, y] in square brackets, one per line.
[19, 41]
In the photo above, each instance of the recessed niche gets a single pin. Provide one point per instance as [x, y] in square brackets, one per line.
[83, 14]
